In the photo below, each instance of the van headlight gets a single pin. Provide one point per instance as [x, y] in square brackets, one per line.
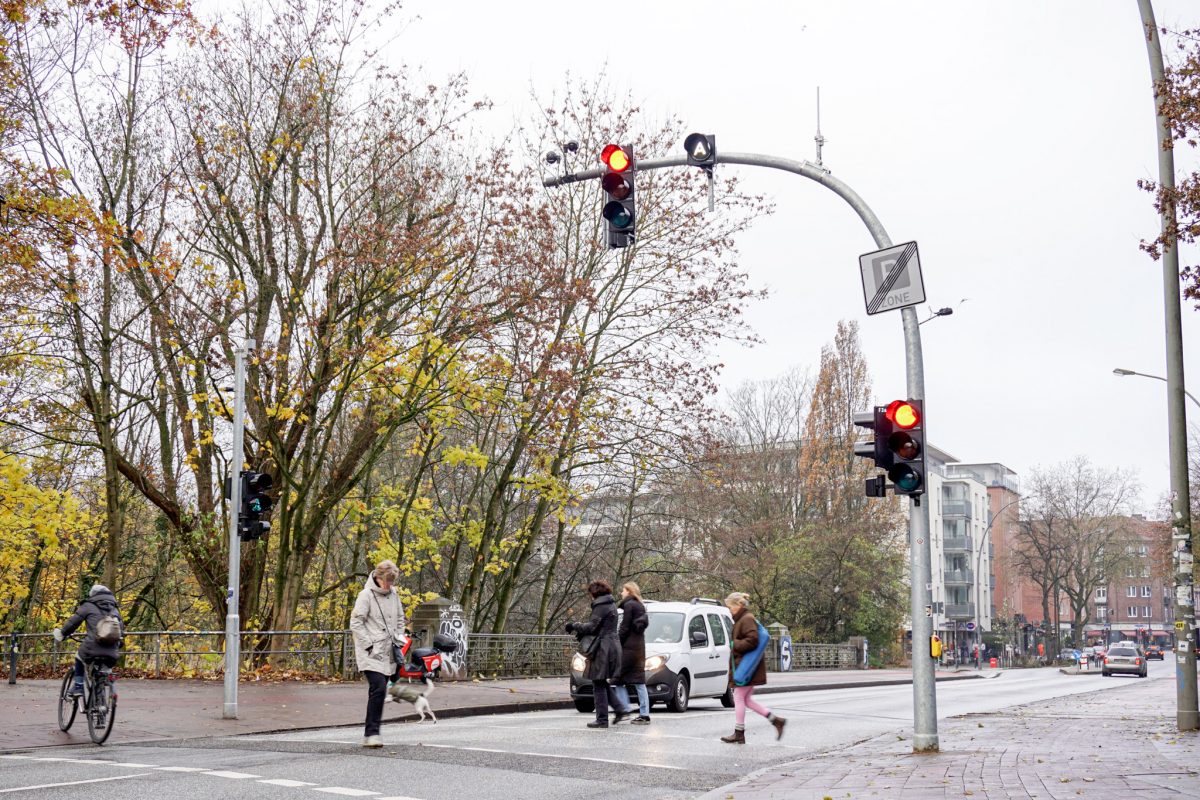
[579, 662]
[655, 662]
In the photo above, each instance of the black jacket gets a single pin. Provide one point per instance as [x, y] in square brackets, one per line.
[91, 611]
[606, 663]
[633, 640]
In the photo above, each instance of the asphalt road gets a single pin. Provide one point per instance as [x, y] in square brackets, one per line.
[549, 754]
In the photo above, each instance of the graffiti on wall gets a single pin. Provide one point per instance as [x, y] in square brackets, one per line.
[452, 623]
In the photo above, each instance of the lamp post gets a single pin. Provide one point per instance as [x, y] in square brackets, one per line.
[978, 558]
[1124, 372]
[941, 312]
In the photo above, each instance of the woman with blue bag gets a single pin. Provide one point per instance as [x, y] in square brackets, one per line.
[748, 668]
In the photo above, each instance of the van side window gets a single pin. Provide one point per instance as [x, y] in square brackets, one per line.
[714, 622]
[728, 626]
[696, 625]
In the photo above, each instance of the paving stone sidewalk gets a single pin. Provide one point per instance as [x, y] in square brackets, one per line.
[1117, 743]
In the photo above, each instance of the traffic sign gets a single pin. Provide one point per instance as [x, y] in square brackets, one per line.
[892, 278]
[970, 626]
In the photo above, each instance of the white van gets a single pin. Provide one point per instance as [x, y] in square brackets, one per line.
[687, 655]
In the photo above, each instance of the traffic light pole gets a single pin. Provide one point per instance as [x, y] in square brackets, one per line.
[925, 738]
[1187, 717]
[233, 622]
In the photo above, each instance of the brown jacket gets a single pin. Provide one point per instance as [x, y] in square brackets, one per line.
[745, 639]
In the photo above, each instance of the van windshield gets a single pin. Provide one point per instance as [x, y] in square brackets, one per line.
[664, 626]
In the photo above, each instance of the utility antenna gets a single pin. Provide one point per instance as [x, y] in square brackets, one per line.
[819, 139]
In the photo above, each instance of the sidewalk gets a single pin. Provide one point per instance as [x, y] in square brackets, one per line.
[1116, 743]
[152, 710]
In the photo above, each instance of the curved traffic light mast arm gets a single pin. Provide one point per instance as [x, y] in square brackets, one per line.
[925, 737]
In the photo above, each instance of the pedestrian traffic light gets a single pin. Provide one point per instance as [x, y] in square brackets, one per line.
[701, 150]
[875, 448]
[618, 212]
[906, 446]
[935, 646]
[256, 504]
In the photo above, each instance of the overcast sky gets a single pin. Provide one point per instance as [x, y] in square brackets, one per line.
[1007, 139]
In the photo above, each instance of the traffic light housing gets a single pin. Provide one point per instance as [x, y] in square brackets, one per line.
[906, 446]
[897, 446]
[256, 504]
[619, 211]
[701, 150]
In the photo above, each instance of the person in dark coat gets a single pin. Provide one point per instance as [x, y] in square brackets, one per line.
[743, 641]
[101, 603]
[632, 633]
[604, 663]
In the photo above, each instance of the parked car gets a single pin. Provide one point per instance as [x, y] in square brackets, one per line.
[1122, 658]
[1069, 654]
[678, 668]
[1154, 651]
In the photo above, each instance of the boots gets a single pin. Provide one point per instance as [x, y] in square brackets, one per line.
[778, 722]
[737, 737]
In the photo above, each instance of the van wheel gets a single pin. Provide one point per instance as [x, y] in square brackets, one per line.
[679, 697]
[585, 706]
[727, 698]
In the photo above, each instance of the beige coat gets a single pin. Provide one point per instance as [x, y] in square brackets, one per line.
[377, 621]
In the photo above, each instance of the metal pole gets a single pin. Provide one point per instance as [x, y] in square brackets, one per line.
[925, 739]
[1187, 717]
[233, 623]
[12, 659]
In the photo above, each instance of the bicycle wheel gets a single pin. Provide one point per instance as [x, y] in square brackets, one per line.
[67, 706]
[101, 708]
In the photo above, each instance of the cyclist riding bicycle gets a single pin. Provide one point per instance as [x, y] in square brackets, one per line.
[102, 642]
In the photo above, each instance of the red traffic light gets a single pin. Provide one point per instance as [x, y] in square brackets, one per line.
[903, 415]
[615, 158]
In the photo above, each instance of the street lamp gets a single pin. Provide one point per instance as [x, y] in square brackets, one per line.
[1124, 372]
[978, 557]
[941, 312]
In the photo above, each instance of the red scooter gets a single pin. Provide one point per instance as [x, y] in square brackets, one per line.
[424, 662]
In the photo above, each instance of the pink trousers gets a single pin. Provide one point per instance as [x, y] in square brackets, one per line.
[742, 699]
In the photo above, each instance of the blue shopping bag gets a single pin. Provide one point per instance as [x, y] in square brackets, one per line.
[749, 663]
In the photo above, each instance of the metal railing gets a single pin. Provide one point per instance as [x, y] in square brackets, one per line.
[960, 610]
[958, 576]
[956, 543]
[330, 653]
[815, 656]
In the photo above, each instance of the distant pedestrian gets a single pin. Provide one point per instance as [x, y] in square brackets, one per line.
[377, 623]
[604, 655]
[743, 642]
[632, 634]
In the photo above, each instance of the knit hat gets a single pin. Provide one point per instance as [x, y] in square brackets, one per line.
[97, 589]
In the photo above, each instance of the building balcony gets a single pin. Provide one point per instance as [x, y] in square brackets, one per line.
[960, 577]
[959, 509]
[956, 544]
[960, 610]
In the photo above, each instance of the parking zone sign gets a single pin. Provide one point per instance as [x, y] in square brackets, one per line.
[892, 278]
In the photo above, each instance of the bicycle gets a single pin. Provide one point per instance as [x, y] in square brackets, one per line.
[99, 699]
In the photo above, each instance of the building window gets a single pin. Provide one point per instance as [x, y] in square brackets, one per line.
[1102, 593]
[1102, 613]
[1143, 551]
[1146, 612]
[1132, 612]
[1145, 572]
[1131, 591]
[1130, 573]
[1146, 591]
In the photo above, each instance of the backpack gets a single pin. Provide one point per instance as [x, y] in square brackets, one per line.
[108, 630]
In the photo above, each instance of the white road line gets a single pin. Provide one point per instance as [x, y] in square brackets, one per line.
[398, 797]
[622, 762]
[182, 769]
[286, 782]
[132, 764]
[71, 783]
[344, 791]
[221, 773]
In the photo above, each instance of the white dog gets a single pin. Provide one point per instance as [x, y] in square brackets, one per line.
[406, 692]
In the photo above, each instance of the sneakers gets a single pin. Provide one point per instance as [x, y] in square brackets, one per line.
[76, 690]
[372, 741]
[598, 724]
[641, 721]
[620, 715]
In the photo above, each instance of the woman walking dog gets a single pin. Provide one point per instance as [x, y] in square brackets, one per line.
[377, 623]
[745, 643]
